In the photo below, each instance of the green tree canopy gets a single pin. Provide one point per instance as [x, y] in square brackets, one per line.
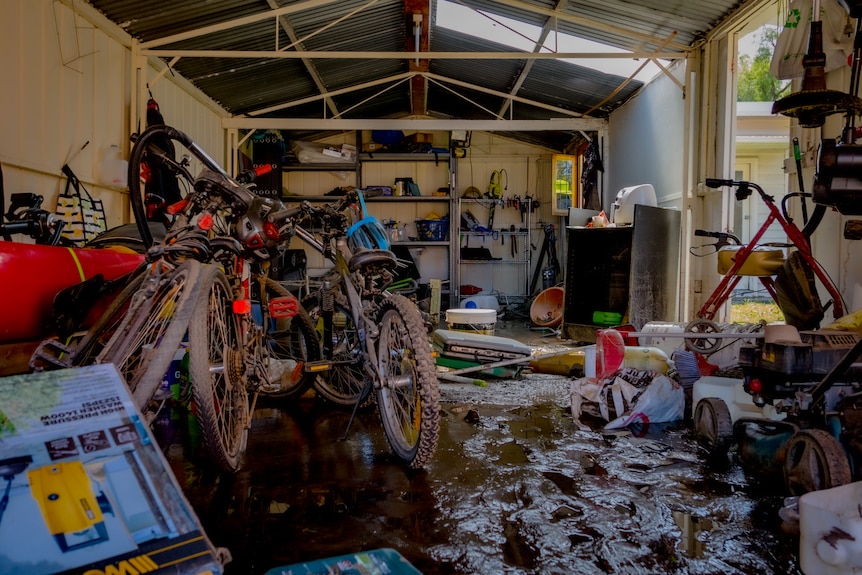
[755, 83]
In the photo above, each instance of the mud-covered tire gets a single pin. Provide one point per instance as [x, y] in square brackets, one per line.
[408, 399]
[713, 427]
[814, 460]
[292, 341]
[220, 396]
[344, 384]
[145, 342]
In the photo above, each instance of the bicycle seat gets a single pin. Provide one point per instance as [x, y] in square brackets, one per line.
[368, 257]
[761, 262]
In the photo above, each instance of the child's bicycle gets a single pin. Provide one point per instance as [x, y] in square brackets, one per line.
[784, 287]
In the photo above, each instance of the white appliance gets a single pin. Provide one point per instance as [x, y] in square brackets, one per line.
[627, 198]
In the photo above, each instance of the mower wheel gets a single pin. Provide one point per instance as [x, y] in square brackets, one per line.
[702, 345]
[713, 427]
[814, 460]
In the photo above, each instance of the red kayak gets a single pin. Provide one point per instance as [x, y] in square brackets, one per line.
[31, 276]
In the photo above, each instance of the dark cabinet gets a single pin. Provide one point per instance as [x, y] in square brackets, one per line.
[622, 275]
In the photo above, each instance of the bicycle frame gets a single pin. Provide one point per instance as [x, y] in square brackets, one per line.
[724, 289]
[367, 329]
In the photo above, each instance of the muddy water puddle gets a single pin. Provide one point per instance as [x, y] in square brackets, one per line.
[514, 488]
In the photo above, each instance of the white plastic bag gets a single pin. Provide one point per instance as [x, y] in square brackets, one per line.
[663, 400]
[627, 397]
[792, 43]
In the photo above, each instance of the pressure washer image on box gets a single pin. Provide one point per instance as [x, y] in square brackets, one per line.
[71, 509]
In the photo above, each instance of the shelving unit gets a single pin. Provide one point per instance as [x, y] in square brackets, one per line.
[507, 244]
[434, 173]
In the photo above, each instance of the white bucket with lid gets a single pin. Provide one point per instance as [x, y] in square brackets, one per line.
[474, 320]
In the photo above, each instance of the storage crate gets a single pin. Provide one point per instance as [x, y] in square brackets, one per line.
[432, 230]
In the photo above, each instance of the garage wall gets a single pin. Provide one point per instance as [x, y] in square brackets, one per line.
[646, 141]
[67, 84]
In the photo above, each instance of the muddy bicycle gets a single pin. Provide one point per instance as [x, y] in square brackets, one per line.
[372, 339]
[206, 283]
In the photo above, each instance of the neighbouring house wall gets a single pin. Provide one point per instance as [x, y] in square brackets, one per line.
[67, 84]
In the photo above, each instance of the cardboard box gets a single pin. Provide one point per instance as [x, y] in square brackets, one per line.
[348, 152]
[421, 137]
[372, 147]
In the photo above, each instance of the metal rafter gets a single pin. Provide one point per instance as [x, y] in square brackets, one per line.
[285, 24]
[528, 66]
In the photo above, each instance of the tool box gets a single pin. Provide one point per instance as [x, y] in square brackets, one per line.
[460, 349]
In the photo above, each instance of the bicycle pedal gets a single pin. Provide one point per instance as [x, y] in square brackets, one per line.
[317, 366]
[51, 354]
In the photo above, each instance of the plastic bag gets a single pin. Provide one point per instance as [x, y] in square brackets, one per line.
[663, 400]
[627, 397]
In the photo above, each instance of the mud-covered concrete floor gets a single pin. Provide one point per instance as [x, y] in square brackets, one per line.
[514, 488]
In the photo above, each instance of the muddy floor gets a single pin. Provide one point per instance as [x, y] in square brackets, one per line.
[515, 487]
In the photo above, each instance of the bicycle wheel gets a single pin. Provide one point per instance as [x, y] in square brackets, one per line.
[100, 333]
[216, 371]
[146, 340]
[409, 397]
[344, 383]
[288, 344]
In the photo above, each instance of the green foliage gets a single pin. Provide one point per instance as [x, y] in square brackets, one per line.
[755, 83]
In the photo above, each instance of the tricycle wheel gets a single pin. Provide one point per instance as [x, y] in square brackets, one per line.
[814, 460]
[713, 427]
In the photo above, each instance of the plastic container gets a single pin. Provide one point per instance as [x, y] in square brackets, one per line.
[432, 230]
[472, 320]
[547, 309]
[646, 358]
[830, 531]
[729, 390]
[607, 318]
[481, 302]
[610, 352]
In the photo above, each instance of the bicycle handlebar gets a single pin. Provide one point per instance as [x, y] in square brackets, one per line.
[724, 238]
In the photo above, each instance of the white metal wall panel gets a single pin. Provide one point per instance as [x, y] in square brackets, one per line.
[68, 83]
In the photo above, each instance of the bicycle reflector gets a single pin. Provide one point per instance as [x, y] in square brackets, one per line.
[242, 306]
[205, 222]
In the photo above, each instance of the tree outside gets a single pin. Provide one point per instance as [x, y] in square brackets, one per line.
[755, 83]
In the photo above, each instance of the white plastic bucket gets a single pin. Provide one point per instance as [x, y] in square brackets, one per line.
[473, 320]
[822, 514]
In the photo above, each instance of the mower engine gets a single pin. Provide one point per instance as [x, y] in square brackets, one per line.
[782, 373]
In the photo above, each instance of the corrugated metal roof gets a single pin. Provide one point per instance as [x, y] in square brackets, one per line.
[266, 86]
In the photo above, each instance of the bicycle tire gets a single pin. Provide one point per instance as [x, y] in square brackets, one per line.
[289, 344]
[344, 383]
[146, 340]
[91, 345]
[216, 372]
[409, 398]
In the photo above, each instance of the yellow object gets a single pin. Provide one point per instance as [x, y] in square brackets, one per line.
[65, 497]
[571, 363]
[646, 359]
[850, 322]
[574, 363]
[761, 262]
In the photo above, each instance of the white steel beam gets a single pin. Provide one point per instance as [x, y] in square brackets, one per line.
[407, 55]
[556, 124]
